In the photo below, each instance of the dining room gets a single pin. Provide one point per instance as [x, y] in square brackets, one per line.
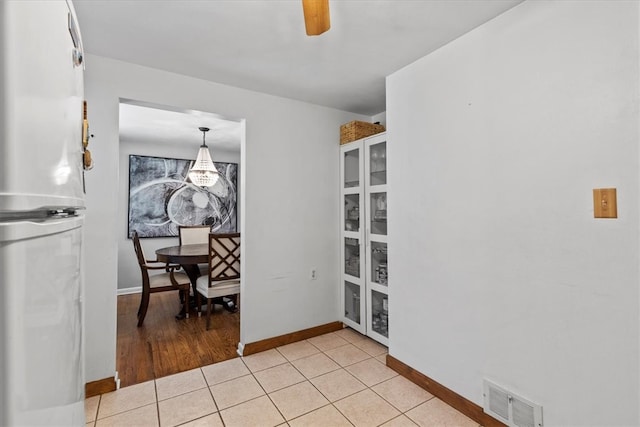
[157, 147]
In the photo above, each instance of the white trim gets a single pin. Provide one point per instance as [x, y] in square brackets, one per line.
[240, 349]
[127, 291]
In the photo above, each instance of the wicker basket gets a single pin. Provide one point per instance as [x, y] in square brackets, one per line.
[356, 130]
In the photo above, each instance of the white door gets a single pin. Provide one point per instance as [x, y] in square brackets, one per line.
[42, 91]
[352, 234]
[41, 342]
[377, 271]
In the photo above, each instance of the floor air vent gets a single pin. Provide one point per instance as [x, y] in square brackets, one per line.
[509, 408]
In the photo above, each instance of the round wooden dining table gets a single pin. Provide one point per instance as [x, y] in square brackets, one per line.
[188, 257]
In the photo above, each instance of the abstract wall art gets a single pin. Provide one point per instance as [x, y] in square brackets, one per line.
[161, 197]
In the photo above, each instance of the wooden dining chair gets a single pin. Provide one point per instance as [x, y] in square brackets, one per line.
[193, 234]
[223, 278]
[152, 283]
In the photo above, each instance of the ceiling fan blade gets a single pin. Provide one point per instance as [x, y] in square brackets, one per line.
[316, 16]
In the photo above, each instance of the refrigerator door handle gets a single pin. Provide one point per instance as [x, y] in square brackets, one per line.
[63, 213]
[51, 213]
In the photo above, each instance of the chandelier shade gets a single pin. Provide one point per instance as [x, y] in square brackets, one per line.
[203, 173]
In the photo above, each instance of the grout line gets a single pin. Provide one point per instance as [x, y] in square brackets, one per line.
[401, 413]
[324, 406]
[212, 397]
[249, 400]
[95, 416]
[155, 390]
[314, 386]
[343, 414]
[383, 398]
[268, 395]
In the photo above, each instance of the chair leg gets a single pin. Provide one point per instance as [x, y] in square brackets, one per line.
[141, 303]
[198, 304]
[142, 310]
[209, 303]
[185, 294]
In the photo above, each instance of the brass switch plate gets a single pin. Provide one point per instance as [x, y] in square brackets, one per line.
[605, 204]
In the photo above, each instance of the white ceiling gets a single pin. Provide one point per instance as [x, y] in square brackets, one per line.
[261, 44]
[160, 125]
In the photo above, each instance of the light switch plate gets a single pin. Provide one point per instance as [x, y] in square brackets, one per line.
[605, 204]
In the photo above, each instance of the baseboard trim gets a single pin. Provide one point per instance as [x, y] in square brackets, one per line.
[127, 291]
[448, 396]
[95, 388]
[269, 343]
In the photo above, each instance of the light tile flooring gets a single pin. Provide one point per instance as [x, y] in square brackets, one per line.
[333, 380]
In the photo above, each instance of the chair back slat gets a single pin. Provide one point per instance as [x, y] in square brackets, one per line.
[193, 234]
[224, 257]
[138, 248]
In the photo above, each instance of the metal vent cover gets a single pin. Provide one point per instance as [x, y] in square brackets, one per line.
[512, 410]
[499, 403]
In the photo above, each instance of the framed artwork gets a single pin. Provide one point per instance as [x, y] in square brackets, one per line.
[161, 197]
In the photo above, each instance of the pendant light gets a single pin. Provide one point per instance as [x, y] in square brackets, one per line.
[203, 173]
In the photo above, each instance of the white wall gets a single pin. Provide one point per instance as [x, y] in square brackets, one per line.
[380, 117]
[128, 269]
[499, 269]
[290, 209]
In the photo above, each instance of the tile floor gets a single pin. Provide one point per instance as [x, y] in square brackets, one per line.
[333, 380]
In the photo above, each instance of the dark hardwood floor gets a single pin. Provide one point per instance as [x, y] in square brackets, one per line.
[163, 345]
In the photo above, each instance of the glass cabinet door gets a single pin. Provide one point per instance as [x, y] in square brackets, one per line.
[352, 256]
[351, 168]
[352, 220]
[352, 212]
[376, 186]
[379, 313]
[378, 163]
[378, 264]
[378, 213]
[375, 223]
[352, 301]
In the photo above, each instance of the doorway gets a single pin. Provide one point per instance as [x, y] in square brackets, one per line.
[165, 135]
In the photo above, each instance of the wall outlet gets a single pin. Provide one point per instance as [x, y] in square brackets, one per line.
[314, 274]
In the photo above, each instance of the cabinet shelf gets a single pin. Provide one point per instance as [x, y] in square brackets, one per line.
[350, 241]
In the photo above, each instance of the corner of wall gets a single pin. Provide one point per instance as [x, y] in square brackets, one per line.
[380, 117]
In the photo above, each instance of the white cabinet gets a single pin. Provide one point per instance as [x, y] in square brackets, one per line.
[363, 236]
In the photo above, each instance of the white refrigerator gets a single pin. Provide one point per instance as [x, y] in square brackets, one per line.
[41, 214]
